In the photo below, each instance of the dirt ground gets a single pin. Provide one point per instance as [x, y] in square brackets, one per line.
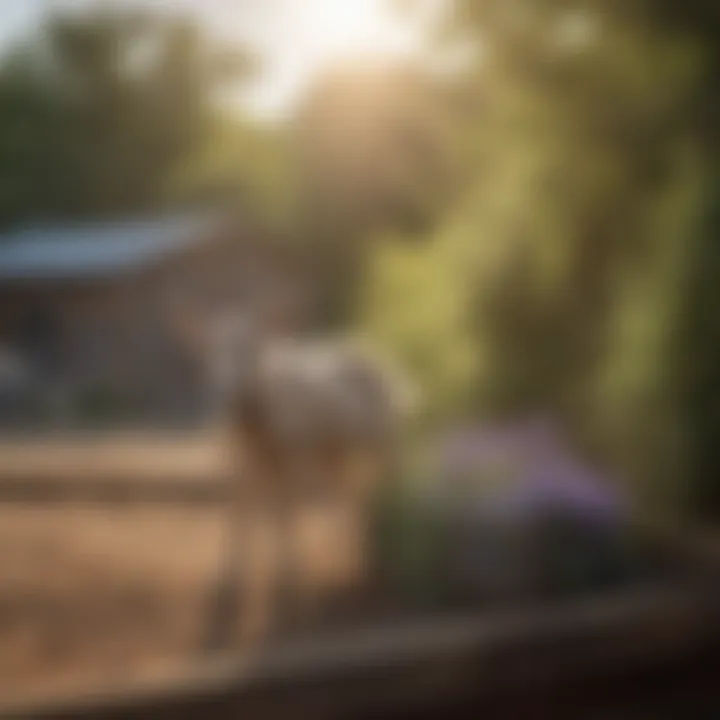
[91, 595]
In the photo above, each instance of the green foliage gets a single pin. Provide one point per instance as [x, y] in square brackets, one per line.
[558, 279]
[100, 111]
[242, 163]
[416, 303]
[372, 154]
[409, 545]
[700, 366]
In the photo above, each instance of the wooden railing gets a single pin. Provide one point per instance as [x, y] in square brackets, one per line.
[653, 648]
[656, 647]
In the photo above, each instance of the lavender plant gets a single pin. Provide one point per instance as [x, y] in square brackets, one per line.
[508, 511]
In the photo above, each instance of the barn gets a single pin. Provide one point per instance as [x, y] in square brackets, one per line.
[85, 336]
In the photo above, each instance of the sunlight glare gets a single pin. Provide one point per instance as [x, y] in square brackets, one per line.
[357, 28]
[300, 39]
[305, 38]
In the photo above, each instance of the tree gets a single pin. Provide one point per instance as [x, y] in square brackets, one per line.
[371, 154]
[587, 168]
[99, 113]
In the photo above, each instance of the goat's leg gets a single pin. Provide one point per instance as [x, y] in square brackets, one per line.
[222, 618]
[287, 570]
[228, 616]
[354, 482]
[294, 597]
[365, 471]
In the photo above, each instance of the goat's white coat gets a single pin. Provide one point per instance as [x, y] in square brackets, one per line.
[307, 387]
[311, 394]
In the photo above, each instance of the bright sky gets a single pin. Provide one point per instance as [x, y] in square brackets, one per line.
[297, 38]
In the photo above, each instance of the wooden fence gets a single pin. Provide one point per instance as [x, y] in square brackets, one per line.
[654, 651]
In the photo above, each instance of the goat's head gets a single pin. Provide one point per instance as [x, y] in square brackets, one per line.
[224, 340]
[226, 335]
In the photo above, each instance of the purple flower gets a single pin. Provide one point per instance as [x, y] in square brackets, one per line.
[567, 486]
[543, 474]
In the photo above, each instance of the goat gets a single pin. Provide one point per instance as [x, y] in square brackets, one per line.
[302, 417]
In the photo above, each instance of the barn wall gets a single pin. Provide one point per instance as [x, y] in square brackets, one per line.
[116, 358]
[120, 356]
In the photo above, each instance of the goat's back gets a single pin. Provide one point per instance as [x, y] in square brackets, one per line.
[321, 390]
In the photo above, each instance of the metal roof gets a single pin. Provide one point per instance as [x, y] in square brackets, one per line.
[97, 250]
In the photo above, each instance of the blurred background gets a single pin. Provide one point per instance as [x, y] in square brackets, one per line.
[516, 200]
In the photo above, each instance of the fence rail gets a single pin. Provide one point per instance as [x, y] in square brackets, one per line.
[657, 646]
[111, 490]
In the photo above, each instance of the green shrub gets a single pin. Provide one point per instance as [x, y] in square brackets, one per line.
[409, 544]
[430, 556]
